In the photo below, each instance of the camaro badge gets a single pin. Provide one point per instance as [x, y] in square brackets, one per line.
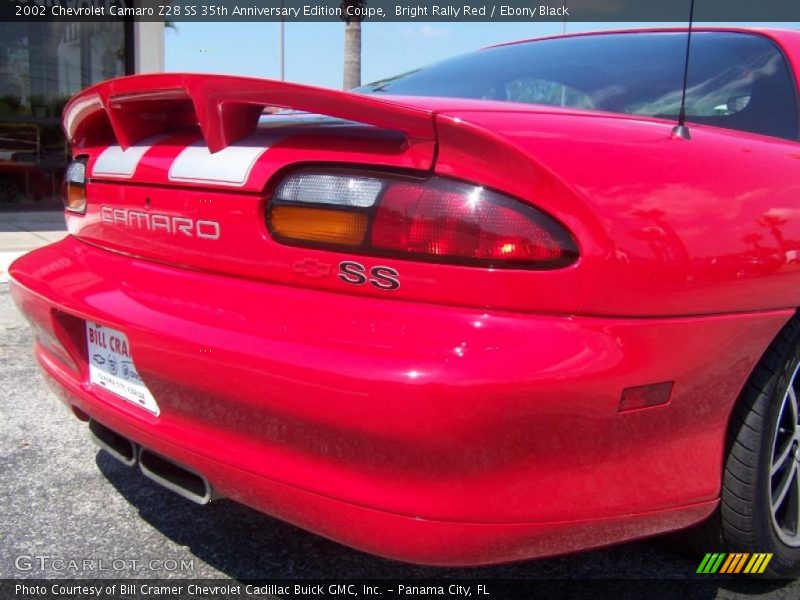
[169, 224]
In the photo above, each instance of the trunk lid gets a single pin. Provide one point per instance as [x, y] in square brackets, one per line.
[181, 167]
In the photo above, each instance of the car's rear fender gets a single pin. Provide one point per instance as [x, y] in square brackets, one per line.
[665, 226]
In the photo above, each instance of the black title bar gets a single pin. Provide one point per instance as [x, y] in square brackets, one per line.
[742, 11]
[383, 589]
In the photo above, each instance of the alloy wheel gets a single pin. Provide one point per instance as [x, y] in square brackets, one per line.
[784, 478]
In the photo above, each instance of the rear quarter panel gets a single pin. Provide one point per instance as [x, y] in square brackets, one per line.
[665, 226]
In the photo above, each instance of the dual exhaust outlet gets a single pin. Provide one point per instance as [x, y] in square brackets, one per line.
[177, 478]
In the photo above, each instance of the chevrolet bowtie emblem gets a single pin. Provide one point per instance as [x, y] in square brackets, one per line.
[312, 268]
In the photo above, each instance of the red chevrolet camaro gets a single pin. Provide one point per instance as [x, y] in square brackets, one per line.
[492, 309]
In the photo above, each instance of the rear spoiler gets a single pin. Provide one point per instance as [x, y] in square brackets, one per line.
[226, 108]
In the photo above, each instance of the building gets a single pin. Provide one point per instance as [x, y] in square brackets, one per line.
[42, 64]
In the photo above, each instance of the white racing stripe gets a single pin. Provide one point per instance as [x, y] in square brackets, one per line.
[116, 162]
[230, 166]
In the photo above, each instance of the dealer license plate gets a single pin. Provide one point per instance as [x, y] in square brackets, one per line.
[111, 366]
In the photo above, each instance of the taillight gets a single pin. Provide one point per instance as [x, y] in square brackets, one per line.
[441, 218]
[436, 219]
[75, 186]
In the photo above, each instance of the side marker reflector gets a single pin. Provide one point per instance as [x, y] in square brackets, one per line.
[646, 396]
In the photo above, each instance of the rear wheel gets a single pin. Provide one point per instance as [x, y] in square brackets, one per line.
[760, 508]
[784, 472]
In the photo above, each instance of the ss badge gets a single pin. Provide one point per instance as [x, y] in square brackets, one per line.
[383, 278]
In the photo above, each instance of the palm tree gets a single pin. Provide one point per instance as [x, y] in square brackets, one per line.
[352, 45]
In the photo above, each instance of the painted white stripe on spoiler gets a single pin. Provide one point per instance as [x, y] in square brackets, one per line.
[231, 166]
[116, 162]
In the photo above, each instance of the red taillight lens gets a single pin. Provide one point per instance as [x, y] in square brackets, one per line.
[450, 219]
[437, 219]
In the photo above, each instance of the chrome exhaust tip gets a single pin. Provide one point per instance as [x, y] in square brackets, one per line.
[113, 443]
[177, 478]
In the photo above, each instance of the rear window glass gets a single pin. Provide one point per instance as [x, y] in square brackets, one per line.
[739, 81]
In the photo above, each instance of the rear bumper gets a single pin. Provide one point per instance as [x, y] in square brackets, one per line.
[426, 433]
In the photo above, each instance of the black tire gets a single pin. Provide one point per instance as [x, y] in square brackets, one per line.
[744, 521]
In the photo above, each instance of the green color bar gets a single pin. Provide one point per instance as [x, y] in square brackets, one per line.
[711, 563]
[701, 568]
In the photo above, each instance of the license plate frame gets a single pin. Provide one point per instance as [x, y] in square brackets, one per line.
[111, 367]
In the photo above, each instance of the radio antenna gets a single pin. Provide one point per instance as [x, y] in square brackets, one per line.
[681, 130]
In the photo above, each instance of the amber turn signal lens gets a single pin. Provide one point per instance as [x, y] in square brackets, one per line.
[75, 198]
[321, 225]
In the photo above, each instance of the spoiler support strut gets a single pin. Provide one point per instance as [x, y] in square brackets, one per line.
[226, 108]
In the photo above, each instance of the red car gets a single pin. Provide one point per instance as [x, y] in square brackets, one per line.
[492, 309]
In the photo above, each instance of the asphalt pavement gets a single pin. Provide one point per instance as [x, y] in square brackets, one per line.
[23, 231]
[63, 500]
